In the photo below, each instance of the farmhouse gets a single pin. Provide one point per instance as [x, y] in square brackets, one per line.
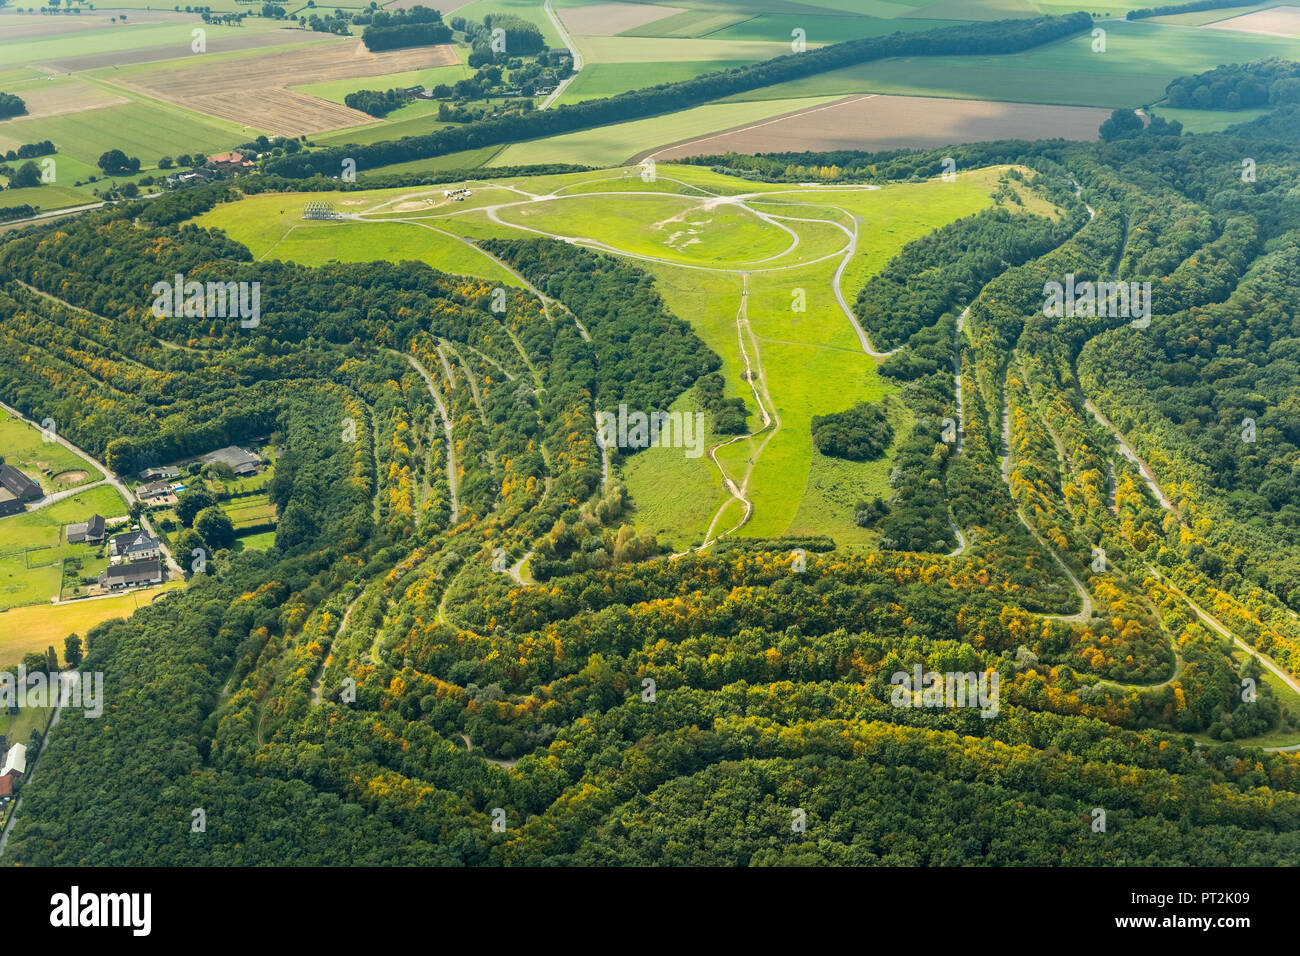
[15, 764]
[18, 484]
[135, 573]
[191, 178]
[132, 546]
[88, 532]
[229, 164]
[241, 462]
[153, 490]
[9, 505]
[156, 474]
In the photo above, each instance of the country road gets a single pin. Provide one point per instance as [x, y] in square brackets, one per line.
[573, 48]
[68, 680]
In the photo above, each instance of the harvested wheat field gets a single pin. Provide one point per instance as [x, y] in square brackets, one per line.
[71, 97]
[610, 19]
[278, 112]
[1276, 21]
[252, 90]
[877, 122]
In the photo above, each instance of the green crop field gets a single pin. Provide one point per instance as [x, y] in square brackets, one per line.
[822, 29]
[147, 130]
[1208, 121]
[121, 37]
[1140, 60]
[608, 79]
[611, 145]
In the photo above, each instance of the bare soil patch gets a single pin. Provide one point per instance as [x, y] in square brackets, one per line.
[71, 477]
[611, 19]
[253, 90]
[876, 122]
[1281, 21]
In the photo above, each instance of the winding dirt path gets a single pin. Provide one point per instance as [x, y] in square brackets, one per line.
[446, 424]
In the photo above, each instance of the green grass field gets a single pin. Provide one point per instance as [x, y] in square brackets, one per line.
[271, 226]
[608, 79]
[22, 446]
[123, 36]
[136, 128]
[1141, 59]
[611, 145]
[1208, 121]
[33, 547]
[669, 227]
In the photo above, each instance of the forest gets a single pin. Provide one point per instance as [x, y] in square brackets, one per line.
[460, 614]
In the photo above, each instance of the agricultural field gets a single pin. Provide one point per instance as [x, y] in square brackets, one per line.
[1280, 21]
[1140, 60]
[33, 549]
[48, 463]
[875, 123]
[32, 629]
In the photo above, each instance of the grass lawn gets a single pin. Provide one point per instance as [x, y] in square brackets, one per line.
[669, 227]
[261, 541]
[22, 447]
[27, 629]
[270, 225]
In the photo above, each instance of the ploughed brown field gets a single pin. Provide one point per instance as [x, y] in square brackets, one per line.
[876, 122]
[1281, 21]
[253, 90]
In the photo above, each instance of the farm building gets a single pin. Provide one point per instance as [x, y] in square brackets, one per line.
[131, 575]
[157, 474]
[9, 505]
[15, 761]
[241, 462]
[133, 546]
[18, 484]
[229, 164]
[87, 532]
